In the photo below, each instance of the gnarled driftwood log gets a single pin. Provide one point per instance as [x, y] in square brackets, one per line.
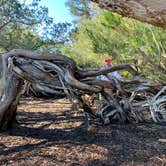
[58, 75]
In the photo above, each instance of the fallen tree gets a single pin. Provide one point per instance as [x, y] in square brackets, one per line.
[129, 101]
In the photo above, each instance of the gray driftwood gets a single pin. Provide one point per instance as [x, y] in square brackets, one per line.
[58, 75]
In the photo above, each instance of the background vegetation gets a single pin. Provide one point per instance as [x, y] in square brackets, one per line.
[95, 34]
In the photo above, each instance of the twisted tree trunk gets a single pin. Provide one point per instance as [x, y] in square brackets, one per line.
[58, 75]
[150, 11]
[0, 66]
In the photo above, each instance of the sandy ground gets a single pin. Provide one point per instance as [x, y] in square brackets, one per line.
[48, 134]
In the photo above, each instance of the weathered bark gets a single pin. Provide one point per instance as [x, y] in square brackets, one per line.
[150, 11]
[0, 66]
[9, 105]
[10, 97]
[58, 75]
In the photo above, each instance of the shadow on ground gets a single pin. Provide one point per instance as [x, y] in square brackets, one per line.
[48, 133]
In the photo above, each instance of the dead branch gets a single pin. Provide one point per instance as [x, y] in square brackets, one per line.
[123, 100]
[150, 11]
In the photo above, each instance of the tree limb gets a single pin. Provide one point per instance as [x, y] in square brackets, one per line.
[150, 11]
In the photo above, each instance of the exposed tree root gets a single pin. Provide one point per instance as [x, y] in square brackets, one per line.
[130, 99]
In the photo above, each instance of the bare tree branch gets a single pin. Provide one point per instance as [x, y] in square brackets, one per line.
[150, 11]
[55, 74]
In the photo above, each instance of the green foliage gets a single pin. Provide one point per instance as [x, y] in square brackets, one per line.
[28, 26]
[109, 34]
[104, 34]
[79, 7]
[13, 14]
[22, 38]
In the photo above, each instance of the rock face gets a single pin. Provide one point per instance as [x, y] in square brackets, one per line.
[153, 12]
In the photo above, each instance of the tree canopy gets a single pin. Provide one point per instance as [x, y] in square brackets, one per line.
[31, 24]
[109, 34]
[79, 7]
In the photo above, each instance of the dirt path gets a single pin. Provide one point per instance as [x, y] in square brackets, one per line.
[47, 134]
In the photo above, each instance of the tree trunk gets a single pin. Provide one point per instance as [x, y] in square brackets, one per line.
[58, 75]
[0, 66]
[150, 11]
[9, 101]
